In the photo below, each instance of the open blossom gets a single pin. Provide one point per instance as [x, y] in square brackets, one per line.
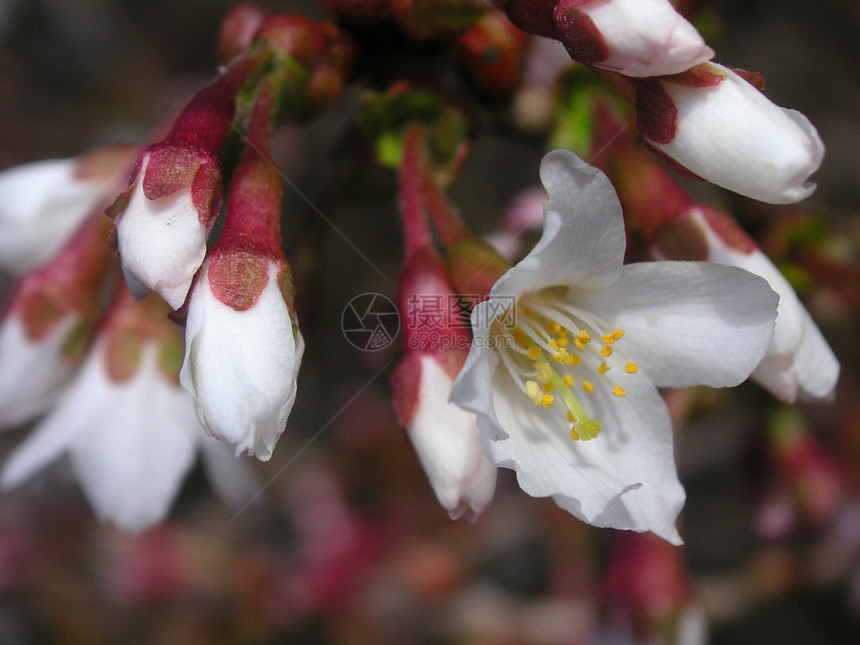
[631, 37]
[720, 127]
[799, 363]
[566, 392]
[130, 442]
[43, 203]
[127, 426]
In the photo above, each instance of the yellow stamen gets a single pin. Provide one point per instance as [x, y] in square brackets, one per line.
[588, 386]
[618, 391]
[563, 341]
[573, 359]
[603, 368]
[568, 380]
[520, 337]
[631, 368]
[584, 336]
[578, 343]
[574, 434]
[617, 334]
[606, 351]
[570, 417]
[546, 400]
[548, 388]
[534, 352]
[554, 344]
[553, 327]
[533, 391]
[561, 356]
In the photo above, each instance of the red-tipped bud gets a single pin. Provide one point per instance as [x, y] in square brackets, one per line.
[239, 28]
[437, 339]
[324, 54]
[493, 51]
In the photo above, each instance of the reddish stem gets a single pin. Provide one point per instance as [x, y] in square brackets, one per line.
[445, 217]
[205, 121]
[415, 229]
[254, 198]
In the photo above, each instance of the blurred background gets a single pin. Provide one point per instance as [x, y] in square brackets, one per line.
[347, 543]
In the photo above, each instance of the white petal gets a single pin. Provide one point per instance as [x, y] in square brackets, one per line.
[799, 362]
[809, 372]
[583, 238]
[646, 37]
[597, 480]
[161, 243]
[448, 445]
[687, 323]
[241, 366]
[41, 206]
[625, 478]
[32, 373]
[78, 410]
[132, 460]
[733, 136]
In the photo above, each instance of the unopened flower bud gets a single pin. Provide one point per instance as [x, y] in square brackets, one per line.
[717, 125]
[243, 350]
[323, 54]
[631, 37]
[164, 218]
[445, 437]
[242, 344]
[128, 429]
[43, 203]
[493, 51]
[51, 318]
[239, 28]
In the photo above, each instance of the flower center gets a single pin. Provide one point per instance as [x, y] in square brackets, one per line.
[556, 347]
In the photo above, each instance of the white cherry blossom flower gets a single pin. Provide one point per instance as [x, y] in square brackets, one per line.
[564, 381]
[43, 203]
[130, 442]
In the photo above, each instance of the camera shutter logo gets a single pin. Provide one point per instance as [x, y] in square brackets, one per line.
[370, 322]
